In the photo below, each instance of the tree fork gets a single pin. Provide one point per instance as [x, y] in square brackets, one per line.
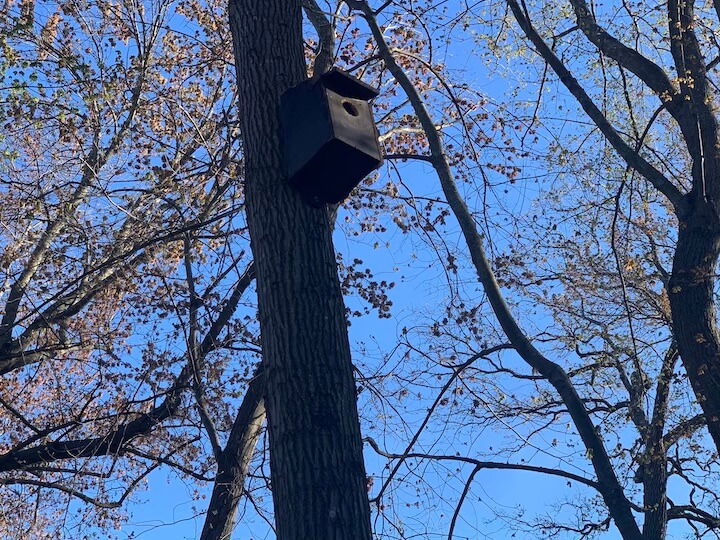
[318, 475]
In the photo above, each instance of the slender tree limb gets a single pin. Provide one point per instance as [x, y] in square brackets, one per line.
[169, 462]
[97, 159]
[457, 371]
[486, 464]
[59, 486]
[464, 493]
[192, 351]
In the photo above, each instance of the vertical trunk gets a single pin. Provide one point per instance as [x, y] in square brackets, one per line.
[655, 498]
[233, 464]
[654, 461]
[693, 311]
[318, 475]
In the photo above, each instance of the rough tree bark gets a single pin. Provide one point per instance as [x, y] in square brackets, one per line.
[694, 316]
[318, 475]
[652, 470]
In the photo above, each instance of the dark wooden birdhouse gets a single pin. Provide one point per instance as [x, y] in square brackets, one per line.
[328, 136]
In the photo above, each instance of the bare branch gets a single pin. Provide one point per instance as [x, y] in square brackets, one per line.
[487, 464]
[325, 54]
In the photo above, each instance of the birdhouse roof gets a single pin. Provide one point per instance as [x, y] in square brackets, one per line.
[346, 85]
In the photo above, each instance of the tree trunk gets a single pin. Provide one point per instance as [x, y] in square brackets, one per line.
[693, 310]
[655, 498]
[317, 470]
[653, 464]
[234, 462]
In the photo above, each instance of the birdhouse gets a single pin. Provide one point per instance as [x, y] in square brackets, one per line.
[328, 136]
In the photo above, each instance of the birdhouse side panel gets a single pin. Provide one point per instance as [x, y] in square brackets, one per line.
[305, 127]
[355, 166]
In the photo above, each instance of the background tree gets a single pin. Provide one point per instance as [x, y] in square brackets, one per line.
[650, 424]
[119, 166]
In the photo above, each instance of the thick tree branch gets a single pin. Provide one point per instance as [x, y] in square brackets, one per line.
[684, 429]
[631, 157]
[654, 460]
[109, 444]
[114, 441]
[693, 513]
[234, 461]
[608, 483]
[646, 70]
[692, 75]
[325, 53]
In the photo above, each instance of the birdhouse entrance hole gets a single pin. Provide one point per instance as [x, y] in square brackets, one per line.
[350, 108]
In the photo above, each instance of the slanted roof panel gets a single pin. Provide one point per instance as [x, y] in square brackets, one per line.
[346, 85]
